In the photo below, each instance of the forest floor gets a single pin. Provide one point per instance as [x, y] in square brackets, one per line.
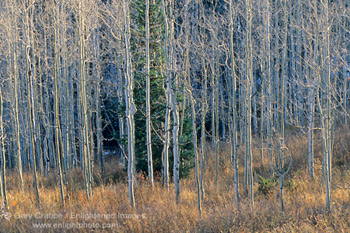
[108, 210]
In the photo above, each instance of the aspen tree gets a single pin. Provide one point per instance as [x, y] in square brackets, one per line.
[313, 72]
[129, 101]
[97, 91]
[34, 57]
[234, 106]
[3, 160]
[171, 98]
[249, 84]
[148, 99]
[194, 132]
[16, 97]
[40, 133]
[165, 158]
[58, 133]
[30, 94]
[282, 102]
[203, 131]
[311, 99]
[63, 92]
[83, 103]
[298, 59]
[204, 106]
[326, 114]
[174, 105]
[215, 93]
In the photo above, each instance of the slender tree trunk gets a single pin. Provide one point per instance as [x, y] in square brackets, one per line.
[234, 106]
[99, 136]
[268, 76]
[328, 115]
[282, 101]
[203, 131]
[30, 96]
[148, 99]
[249, 84]
[16, 98]
[129, 100]
[84, 113]
[58, 134]
[311, 130]
[194, 132]
[168, 101]
[175, 110]
[3, 160]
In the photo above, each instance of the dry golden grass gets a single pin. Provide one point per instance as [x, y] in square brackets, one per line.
[304, 199]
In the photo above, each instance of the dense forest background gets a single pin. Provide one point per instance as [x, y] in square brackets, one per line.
[171, 89]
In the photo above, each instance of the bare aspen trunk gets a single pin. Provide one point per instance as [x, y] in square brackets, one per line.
[71, 120]
[166, 139]
[171, 98]
[313, 93]
[216, 127]
[16, 80]
[194, 132]
[324, 101]
[121, 119]
[311, 131]
[36, 92]
[49, 132]
[282, 101]
[249, 84]
[215, 97]
[176, 152]
[58, 134]
[30, 96]
[168, 101]
[299, 64]
[99, 136]
[40, 134]
[328, 115]
[148, 99]
[203, 131]
[84, 113]
[129, 100]
[234, 106]
[174, 104]
[66, 126]
[3, 160]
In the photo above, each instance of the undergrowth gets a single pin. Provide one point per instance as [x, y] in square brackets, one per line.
[156, 211]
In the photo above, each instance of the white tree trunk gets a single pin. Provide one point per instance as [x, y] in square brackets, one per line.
[148, 99]
[2, 154]
[129, 100]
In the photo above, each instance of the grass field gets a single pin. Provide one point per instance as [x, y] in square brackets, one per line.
[109, 210]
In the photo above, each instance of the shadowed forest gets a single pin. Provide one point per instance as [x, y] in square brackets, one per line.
[174, 116]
